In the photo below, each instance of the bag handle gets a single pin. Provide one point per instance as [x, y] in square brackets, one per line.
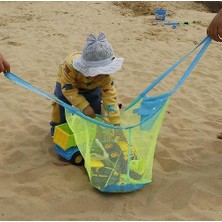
[205, 42]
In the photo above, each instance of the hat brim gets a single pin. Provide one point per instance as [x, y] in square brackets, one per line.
[90, 71]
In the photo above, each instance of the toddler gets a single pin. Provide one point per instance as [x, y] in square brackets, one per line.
[84, 81]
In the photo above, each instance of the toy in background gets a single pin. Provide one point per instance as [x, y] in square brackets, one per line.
[175, 24]
[160, 17]
[160, 14]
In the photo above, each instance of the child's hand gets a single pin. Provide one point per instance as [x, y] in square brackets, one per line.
[88, 111]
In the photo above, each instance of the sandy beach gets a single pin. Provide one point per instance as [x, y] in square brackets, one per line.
[187, 170]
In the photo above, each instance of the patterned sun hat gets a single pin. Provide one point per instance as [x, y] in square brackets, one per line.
[97, 57]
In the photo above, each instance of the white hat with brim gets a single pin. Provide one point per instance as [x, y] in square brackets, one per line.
[97, 57]
[94, 68]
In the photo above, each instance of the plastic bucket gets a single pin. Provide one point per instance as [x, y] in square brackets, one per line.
[160, 14]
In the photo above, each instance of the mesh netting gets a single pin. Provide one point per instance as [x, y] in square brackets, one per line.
[117, 160]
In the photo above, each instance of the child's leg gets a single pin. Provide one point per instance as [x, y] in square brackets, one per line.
[58, 112]
[93, 96]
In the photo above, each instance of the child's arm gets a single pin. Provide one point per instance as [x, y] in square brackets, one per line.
[109, 97]
[67, 78]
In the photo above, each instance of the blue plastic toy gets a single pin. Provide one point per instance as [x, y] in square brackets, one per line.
[160, 14]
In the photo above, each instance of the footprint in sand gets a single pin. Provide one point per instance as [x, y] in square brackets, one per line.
[14, 43]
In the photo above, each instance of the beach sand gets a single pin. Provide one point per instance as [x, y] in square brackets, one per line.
[37, 185]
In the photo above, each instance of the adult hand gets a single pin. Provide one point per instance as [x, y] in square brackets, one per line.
[4, 65]
[88, 111]
[214, 30]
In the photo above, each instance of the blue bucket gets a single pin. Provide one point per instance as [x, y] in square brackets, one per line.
[160, 14]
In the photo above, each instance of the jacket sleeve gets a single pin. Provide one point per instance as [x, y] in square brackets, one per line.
[67, 78]
[109, 97]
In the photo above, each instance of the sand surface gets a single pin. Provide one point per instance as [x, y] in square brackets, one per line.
[35, 184]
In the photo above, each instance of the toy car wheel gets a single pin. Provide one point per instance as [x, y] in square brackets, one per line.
[77, 159]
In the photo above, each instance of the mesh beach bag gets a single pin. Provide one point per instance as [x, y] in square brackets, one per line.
[117, 159]
[120, 159]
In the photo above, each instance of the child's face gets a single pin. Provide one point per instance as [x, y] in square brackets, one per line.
[97, 78]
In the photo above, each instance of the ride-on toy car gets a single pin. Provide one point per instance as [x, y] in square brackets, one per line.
[65, 145]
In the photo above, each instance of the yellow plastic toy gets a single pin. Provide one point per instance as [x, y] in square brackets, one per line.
[65, 145]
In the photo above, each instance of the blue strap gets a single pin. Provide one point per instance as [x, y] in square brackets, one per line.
[193, 63]
[47, 95]
[74, 110]
[207, 41]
